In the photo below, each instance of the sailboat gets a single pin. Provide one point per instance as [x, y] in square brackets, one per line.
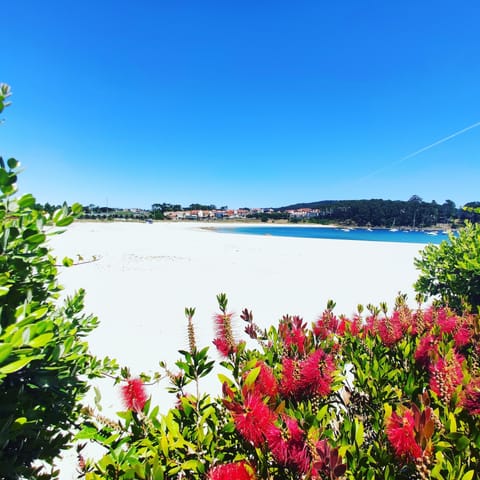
[393, 229]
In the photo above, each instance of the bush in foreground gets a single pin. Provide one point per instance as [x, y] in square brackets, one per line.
[451, 270]
[44, 358]
[376, 396]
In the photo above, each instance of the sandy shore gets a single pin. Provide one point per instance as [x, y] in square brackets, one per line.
[146, 274]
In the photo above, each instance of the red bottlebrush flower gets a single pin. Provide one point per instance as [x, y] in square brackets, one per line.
[222, 346]
[266, 383]
[232, 471]
[293, 332]
[446, 375]
[253, 419]
[134, 395]
[446, 324]
[317, 373]
[288, 446]
[471, 397]
[224, 341]
[354, 326]
[462, 336]
[290, 383]
[326, 325]
[370, 328]
[401, 435]
[427, 348]
[390, 329]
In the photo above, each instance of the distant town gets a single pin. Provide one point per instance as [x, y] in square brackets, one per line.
[413, 213]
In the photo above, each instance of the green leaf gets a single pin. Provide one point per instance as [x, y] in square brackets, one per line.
[41, 340]
[4, 290]
[18, 364]
[77, 209]
[191, 464]
[5, 350]
[468, 475]
[63, 222]
[36, 239]
[12, 163]
[462, 443]
[252, 376]
[359, 433]
[67, 262]
[26, 201]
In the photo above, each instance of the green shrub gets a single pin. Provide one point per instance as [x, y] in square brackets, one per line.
[44, 359]
[378, 396]
[451, 270]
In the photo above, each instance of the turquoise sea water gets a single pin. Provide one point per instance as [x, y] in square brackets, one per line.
[374, 235]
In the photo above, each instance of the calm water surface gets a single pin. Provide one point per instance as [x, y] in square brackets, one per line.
[374, 235]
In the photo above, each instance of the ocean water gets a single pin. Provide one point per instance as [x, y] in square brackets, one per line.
[369, 235]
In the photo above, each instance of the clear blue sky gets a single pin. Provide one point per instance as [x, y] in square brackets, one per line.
[251, 103]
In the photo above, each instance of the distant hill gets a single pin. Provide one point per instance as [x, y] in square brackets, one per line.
[378, 212]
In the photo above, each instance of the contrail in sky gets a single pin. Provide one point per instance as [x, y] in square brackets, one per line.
[423, 149]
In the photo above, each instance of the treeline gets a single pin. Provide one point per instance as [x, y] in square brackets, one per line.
[414, 213]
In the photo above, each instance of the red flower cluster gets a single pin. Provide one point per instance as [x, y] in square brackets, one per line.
[471, 397]
[410, 431]
[232, 471]
[401, 434]
[446, 375]
[134, 395]
[288, 446]
[328, 324]
[224, 341]
[293, 332]
[252, 418]
[305, 378]
[266, 383]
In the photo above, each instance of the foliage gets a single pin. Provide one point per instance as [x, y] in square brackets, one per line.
[43, 353]
[413, 213]
[451, 270]
[377, 396]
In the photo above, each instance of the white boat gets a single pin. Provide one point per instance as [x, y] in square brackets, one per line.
[432, 233]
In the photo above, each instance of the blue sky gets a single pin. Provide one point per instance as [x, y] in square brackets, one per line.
[263, 103]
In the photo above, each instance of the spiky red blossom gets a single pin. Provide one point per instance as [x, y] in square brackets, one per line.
[400, 432]
[328, 324]
[471, 397]
[317, 373]
[427, 348]
[291, 382]
[462, 336]
[446, 375]
[293, 332]
[354, 326]
[287, 444]
[253, 418]
[134, 395]
[232, 471]
[390, 329]
[446, 323]
[224, 341]
[266, 383]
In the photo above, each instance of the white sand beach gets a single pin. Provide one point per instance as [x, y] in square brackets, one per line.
[146, 274]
